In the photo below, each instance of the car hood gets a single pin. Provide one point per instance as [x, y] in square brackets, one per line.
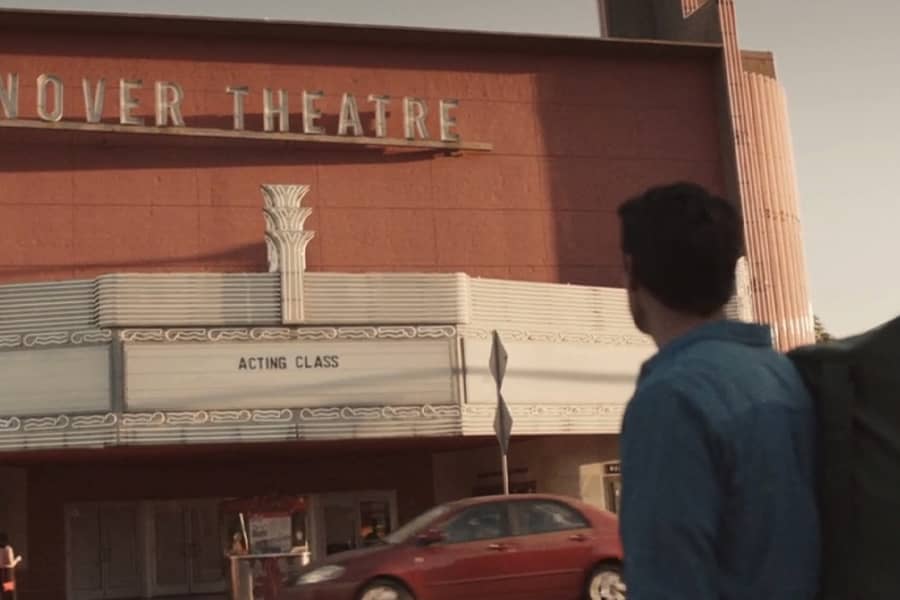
[354, 556]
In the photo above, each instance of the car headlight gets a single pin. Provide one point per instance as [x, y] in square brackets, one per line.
[322, 574]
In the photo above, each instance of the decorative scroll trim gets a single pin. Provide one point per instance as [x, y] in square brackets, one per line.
[10, 424]
[95, 421]
[339, 422]
[56, 338]
[143, 419]
[231, 416]
[519, 335]
[203, 418]
[46, 423]
[287, 334]
[398, 332]
[376, 413]
[308, 334]
[288, 416]
[284, 415]
[546, 411]
[17, 425]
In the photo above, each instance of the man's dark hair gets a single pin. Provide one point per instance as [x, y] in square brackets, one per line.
[684, 244]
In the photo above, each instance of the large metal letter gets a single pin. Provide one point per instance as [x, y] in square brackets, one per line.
[169, 96]
[349, 118]
[448, 122]
[381, 103]
[57, 113]
[269, 111]
[9, 96]
[311, 113]
[127, 103]
[93, 103]
[239, 92]
[414, 113]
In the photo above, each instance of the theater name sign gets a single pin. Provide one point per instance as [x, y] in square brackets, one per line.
[279, 123]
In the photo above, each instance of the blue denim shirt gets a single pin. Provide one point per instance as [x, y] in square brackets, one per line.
[718, 458]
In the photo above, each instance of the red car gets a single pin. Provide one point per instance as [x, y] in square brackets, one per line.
[516, 547]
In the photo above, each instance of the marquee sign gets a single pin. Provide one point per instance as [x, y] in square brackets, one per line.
[55, 381]
[279, 121]
[250, 375]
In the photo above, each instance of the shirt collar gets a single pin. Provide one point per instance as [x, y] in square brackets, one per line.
[736, 332]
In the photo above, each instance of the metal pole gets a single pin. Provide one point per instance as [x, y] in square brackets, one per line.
[505, 466]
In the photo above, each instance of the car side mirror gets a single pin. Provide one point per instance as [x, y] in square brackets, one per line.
[431, 537]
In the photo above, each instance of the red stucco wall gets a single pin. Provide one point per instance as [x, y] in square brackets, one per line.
[573, 135]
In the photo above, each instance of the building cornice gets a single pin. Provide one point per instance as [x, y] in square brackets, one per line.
[274, 334]
[400, 306]
[248, 306]
[296, 424]
[307, 334]
[45, 339]
[563, 337]
[94, 23]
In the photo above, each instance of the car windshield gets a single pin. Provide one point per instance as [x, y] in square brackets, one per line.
[417, 525]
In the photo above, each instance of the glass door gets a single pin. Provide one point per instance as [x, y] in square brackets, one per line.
[84, 552]
[356, 520]
[187, 553]
[206, 564]
[341, 523]
[122, 565]
[104, 557]
[375, 519]
[169, 541]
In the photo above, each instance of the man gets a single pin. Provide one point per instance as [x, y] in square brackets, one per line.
[718, 443]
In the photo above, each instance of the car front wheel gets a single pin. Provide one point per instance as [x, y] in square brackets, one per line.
[384, 589]
[606, 583]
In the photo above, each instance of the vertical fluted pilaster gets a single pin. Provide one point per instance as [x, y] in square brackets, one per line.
[741, 305]
[286, 242]
[689, 7]
[768, 194]
[780, 205]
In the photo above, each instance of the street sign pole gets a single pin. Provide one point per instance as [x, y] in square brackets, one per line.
[504, 464]
[503, 419]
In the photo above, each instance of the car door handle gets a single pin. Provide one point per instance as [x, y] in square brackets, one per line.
[578, 537]
[498, 547]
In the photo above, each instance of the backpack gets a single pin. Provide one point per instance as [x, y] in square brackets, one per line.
[855, 384]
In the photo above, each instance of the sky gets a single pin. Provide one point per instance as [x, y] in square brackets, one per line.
[836, 59]
[838, 62]
[565, 17]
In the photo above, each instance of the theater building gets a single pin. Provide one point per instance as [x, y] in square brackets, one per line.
[259, 260]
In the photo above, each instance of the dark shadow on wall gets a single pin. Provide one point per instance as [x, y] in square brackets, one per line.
[48, 150]
[666, 20]
[247, 257]
[615, 123]
[663, 20]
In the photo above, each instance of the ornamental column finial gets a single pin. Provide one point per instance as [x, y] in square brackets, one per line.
[286, 242]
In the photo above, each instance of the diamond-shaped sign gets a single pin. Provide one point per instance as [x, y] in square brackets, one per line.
[498, 360]
[503, 423]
